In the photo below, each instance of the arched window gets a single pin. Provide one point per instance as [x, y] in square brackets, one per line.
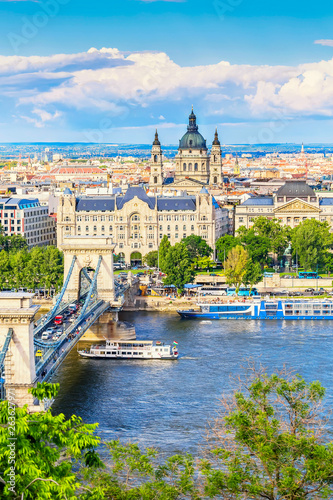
[184, 167]
[155, 158]
[215, 180]
[121, 228]
[195, 167]
[189, 167]
[155, 180]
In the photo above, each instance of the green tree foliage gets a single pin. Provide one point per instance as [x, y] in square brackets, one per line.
[278, 234]
[41, 267]
[257, 246]
[177, 266]
[235, 266]
[224, 244]
[164, 247]
[151, 259]
[48, 450]
[312, 239]
[12, 243]
[204, 263]
[141, 475]
[197, 247]
[268, 442]
[253, 274]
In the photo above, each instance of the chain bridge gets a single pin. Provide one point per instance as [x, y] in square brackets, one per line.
[89, 283]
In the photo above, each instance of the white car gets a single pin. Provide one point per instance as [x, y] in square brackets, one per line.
[45, 336]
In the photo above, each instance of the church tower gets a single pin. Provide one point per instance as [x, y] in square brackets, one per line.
[216, 174]
[192, 160]
[156, 164]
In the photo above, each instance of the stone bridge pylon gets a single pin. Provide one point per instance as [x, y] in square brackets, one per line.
[89, 252]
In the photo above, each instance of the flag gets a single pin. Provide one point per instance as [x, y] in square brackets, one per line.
[175, 343]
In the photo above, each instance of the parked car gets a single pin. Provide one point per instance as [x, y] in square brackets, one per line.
[309, 290]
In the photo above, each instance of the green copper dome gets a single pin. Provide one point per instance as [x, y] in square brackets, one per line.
[192, 139]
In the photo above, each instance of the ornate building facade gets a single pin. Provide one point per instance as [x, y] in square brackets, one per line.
[293, 203]
[137, 222]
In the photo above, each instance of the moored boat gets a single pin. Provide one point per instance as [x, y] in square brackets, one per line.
[135, 349]
[263, 309]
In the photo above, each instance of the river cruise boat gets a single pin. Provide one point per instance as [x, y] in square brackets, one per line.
[263, 309]
[134, 349]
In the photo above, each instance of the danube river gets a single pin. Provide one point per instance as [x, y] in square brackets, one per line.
[167, 404]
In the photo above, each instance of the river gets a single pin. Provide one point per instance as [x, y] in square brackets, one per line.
[167, 403]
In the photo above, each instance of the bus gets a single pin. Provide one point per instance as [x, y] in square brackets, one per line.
[58, 320]
[309, 275]
[212, 290]
[242, 292]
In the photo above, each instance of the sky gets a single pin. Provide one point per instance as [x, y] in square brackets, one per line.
[112, 72]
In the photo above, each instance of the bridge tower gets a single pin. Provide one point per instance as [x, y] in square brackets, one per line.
[87, 251]
[17, 346]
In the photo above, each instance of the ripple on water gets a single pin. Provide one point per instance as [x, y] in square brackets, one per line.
[167, 403]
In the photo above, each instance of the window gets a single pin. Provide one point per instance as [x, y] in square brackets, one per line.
[190, 167]
[169, 235]
[120, 219]
[110, 229]
[150, 245]
[160, 217]
[121, 236]
[102, 218]
[192, 217]
[87, 229]
[161, 236]
[176, 217]
[136, 217]
[176, 228]
[161, 228]
[110, 218]
[184, 235]
[168, 228]
[184, 217]
[102, 229]
[79, 218]
[184, 227]
[79, 228]
[184, 167]
[195, 167]
[176, 236]
[95, 218]
[150, 228]
[192, 228]
[67, 219]
[95, 229]
[87, 218]
[121, 228]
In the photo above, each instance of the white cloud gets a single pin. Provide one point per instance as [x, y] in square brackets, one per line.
[109, 82]
[327, 42]
[43, 117]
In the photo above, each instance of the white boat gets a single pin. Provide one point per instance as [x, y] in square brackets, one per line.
[134, 349]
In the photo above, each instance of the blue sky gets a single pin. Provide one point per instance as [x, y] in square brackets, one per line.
[113, 71]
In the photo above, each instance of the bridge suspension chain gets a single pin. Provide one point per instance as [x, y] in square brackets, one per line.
[5, 346]
[53, 311]
[91, 289]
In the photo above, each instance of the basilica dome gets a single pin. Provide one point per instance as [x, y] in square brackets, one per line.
[192, 139]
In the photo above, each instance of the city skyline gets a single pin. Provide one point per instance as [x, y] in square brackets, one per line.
[260, 75]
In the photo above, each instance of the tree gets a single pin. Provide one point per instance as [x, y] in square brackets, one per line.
[268, 442]
[224, 244]
[258, 247]
[197, 247]
[235, 266]
[177, 266]
[164, 247]
[311, 240]
[273, 229]
[151, 259]
[253, 274]
[204, 263]
[48, 450]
